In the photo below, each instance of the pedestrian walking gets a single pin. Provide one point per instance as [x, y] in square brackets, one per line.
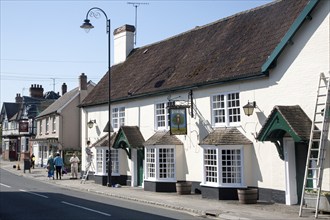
[50, 166]
[58, 161]
[33, 159]
[74, 160]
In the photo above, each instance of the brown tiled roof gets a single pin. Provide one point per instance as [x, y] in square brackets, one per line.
[103, 141]
[295, 118]
[163, 138]
[132, 134]
[229, 49]
[225, 136]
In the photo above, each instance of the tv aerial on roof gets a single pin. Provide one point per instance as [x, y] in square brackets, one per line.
[136, 5]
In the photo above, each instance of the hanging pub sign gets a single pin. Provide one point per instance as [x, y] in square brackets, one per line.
[178, 121]
[23, 126]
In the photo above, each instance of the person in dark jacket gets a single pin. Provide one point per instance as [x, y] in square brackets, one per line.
[58, 161]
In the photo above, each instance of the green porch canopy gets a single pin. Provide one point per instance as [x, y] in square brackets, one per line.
[285, 121]
[127, 138]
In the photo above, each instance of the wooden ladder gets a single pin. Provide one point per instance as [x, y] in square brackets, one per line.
[316, 148]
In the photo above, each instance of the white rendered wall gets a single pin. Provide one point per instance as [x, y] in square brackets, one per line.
[292, 82]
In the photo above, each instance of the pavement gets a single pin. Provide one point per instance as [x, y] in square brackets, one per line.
[193, 203]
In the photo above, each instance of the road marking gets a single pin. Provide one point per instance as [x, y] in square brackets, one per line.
[36, 194]
[5, 185]
[92, 210]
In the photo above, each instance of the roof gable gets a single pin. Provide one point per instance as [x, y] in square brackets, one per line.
[60, 103]
[289, 34]
[9, 110]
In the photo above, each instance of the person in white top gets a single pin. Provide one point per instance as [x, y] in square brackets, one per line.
[74, 160]
[89, 153]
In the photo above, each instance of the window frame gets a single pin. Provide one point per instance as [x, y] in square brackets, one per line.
[40, 127]
[47, 125]
[219, 166]
[118, 115]
[101, 161]
[226, 108]
[166, 116]
[53, 123]
[156, 164]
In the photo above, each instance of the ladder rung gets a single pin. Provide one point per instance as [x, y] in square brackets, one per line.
[314, 149]
[318, 122]
[313, 168]
[309, 208]
[312, 159]
[312, 188]
[322, 95]
[310, 198]
[319, 104]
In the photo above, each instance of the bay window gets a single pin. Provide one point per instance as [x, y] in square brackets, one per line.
[102, 157]
[160, 163]
[223, 166]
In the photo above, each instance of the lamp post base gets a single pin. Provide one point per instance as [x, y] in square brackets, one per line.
[109, 185]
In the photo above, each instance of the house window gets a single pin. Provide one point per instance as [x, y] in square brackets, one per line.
[161, 116]
[231, 166]
[99, 161]
[210, 165]
[102, 161]
[223, 166]
[118, 117]
[26, 145]
[150, 163]
[40, 127]
[6, 125]
[166, 163]
[160, 163]
[226, 109]
[54, 124]
[47, 125]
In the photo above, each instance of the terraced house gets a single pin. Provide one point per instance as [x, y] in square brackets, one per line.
[177, 105]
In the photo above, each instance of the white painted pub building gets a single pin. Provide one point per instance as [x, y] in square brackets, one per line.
[270, 58]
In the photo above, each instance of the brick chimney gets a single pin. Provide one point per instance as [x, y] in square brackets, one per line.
[64, 88]
[82, 82]
[123, 42]
[82, 87]
[18, 98]
[36, 91]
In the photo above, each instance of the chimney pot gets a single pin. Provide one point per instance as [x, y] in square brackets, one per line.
[18, 98]
[36, 91]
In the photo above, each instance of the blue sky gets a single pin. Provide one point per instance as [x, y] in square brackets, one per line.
[41, 42]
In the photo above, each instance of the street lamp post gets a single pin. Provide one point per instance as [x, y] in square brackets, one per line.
[95, 12]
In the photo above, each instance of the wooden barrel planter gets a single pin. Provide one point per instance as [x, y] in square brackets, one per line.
[183, 188]
[247, 196]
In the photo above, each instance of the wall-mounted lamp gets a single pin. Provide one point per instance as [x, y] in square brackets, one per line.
[249, 107]
[91, 123]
